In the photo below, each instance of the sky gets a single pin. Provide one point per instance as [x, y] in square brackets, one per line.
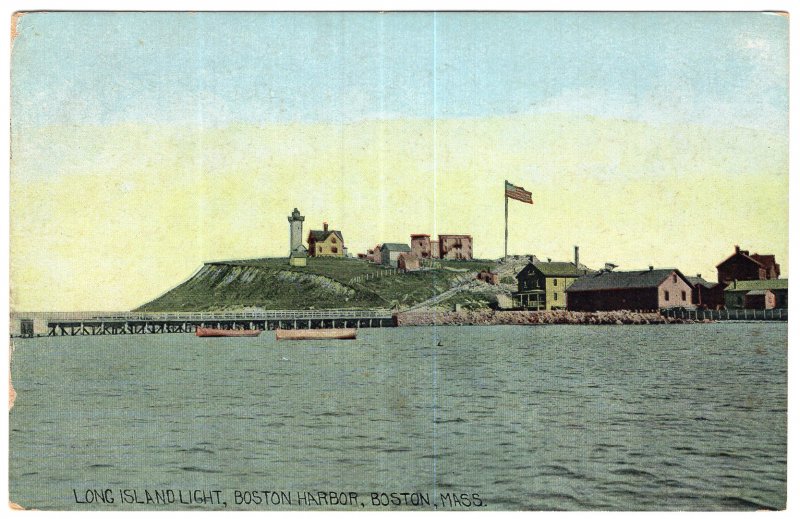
[146, 143]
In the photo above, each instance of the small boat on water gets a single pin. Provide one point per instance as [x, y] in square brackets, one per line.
[219, 332]
[320, 333]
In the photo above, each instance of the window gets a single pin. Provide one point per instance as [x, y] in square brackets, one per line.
[674, 278]
[555, 282]
[683, 295]
[555, 296]
[334, 250]
[666, 295]
[319, 249]
[333, 240]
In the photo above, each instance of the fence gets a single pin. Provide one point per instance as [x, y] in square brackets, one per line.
[200, 316]
[733, 314]
[378, 274]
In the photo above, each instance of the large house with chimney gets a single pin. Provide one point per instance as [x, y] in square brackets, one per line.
[325, 243]
[543, 285]
[742, 265]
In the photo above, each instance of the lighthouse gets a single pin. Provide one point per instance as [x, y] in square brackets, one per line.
[297, 252]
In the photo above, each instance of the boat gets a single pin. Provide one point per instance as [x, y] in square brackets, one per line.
[219, 332]
[320, 333]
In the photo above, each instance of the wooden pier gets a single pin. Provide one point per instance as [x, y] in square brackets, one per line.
[188, 322]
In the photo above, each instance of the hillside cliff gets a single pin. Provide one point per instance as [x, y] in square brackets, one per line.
[272, 284]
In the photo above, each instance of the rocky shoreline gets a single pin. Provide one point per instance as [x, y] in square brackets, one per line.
[492, 317]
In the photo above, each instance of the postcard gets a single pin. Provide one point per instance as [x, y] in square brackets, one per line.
[374, 261]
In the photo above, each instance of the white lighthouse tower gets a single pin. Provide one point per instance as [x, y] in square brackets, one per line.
[297, 252]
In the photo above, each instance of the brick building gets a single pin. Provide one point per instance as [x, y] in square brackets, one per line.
[745, 266]
[421, 246]
[651, 289]
[455, 246]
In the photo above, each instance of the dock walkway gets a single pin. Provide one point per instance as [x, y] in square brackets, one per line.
[118, 323]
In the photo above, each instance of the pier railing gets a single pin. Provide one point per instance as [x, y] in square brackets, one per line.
[728, 314]
[207, 316]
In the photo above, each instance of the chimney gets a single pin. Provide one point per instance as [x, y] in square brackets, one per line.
[651, 267]
[737, 249]
[325, 226]
[549, 260]
[576, 257]
[700, 276]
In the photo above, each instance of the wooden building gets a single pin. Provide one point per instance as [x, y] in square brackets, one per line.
[455, 246]
[736, 293]
[390, 253]
[650, 289]
[743, 266]
[325, 243]
[542, 286]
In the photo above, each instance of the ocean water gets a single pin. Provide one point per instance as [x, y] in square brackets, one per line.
[679, 417]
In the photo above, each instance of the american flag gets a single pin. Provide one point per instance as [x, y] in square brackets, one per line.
[518, 193]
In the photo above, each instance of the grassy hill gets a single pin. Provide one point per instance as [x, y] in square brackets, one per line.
[272, 284]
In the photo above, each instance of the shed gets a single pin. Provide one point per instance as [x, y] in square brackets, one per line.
[407, 261]
[759, 299]
[390, 252]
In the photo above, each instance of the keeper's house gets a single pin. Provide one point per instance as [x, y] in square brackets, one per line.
[326, 243]
[758, 293]
[542, 286]
[650, 289]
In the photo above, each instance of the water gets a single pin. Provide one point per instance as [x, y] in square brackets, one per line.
[680, 417]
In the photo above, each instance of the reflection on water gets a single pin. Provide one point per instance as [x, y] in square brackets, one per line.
[681, 417]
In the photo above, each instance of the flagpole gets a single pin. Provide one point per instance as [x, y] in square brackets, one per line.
[505, 195]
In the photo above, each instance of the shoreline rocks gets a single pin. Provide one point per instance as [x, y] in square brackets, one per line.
[493, 317]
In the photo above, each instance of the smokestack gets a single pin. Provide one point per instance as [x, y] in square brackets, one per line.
[325, 226]
[576, 257]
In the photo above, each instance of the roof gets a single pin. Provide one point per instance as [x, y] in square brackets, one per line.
[323, 235]
[420, 235]
[757, 293]
[617, 280]
[554, 269]
[758, 284]
[396, 247]
[455, 236]
[697, 280]
[740, 254]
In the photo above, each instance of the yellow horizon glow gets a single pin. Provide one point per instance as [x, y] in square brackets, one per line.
[107, 218]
